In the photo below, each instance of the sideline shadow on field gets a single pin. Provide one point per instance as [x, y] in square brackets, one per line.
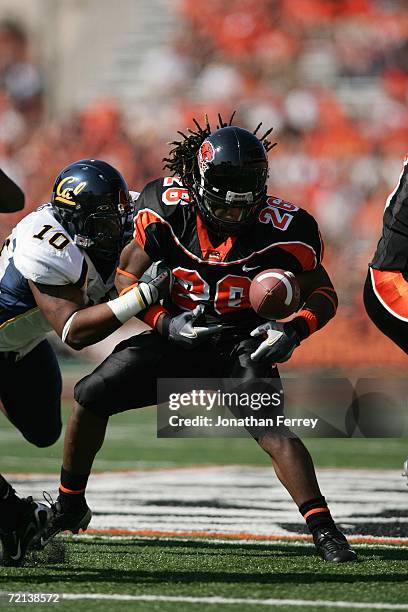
[312, 571]
[273, 550]
[192, 554]
[160, 577]
[211, 546]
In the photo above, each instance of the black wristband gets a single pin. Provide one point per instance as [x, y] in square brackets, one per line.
[301, 328]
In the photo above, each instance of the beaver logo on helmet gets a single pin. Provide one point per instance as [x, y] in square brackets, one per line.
[206, 154]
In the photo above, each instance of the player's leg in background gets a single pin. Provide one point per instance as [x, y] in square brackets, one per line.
[291, 460]
[30, 396]
[30, 391]
[22, 521]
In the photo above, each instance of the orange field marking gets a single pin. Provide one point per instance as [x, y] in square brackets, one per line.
[239, 536]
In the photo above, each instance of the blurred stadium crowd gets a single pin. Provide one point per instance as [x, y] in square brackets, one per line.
[331, 76]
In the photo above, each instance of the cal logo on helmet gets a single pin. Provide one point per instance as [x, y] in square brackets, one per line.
[206, 154]
[65, 189]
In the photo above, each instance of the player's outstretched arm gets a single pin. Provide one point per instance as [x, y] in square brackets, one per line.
[11, 196]
[133, 262]
[80, 325]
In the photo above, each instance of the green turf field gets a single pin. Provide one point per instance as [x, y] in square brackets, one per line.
[203, 569]
[149, 572]
[131, 442]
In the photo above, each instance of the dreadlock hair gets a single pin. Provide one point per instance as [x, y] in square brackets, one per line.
[183, 155]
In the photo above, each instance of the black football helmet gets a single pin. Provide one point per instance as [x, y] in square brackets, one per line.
[91, 200]
[229, 184]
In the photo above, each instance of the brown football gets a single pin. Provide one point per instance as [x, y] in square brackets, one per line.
[274, 294]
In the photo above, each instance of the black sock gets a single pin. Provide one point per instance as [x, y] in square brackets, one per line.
[316, 514]
[72, 489]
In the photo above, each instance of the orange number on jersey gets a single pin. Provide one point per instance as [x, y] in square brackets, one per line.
[189, 289]
[176, 195]
[232, 294]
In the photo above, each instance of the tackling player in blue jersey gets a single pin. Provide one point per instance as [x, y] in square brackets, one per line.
[57, 272]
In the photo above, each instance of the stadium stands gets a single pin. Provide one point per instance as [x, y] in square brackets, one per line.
[330, 75]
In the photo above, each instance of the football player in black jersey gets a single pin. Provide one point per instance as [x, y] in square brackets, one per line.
[386, 286]
[214, 225]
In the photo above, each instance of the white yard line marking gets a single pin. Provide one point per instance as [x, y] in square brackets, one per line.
[238, 600]
[234, 501]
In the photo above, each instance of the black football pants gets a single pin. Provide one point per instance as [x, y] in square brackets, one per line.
[127, 379]
[30, 390]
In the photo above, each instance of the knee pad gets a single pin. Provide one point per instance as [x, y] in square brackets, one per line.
[91, 393]
[126, 380]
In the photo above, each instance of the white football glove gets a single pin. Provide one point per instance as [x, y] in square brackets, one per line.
[182, 331]
[280, 340]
